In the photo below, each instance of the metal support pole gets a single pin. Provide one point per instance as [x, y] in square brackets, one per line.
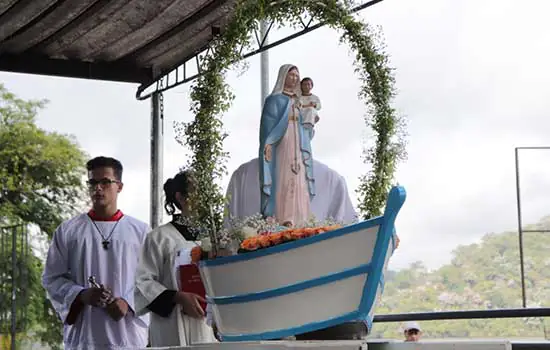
[264, 62]
[13, 287]
[520, 231]
[157, 138]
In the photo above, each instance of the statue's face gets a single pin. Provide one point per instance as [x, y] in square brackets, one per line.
[307, 85]
[292, 78]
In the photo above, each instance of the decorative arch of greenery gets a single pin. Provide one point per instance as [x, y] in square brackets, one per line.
[211, 97]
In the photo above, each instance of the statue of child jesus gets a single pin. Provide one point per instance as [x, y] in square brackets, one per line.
[311, 104]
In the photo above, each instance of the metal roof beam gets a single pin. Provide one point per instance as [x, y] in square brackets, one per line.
[108, 71]
[181, 74]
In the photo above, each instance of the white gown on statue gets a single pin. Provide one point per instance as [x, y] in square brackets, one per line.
[331, 200]
[156, 273]
[309, 113]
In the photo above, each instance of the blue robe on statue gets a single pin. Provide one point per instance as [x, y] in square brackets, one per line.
[273, 127]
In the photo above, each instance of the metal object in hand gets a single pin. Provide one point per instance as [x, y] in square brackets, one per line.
[93, 282]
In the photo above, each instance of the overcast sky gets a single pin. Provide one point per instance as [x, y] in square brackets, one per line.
[472, 78]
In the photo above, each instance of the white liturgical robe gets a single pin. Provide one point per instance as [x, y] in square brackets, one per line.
[331, 201]
[76, 253]
[156, 273]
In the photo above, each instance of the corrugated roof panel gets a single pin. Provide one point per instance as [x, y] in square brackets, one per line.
[140, 38]
[21, 14]
[200, 23]
[61, 43]
[51, 23]
[172, 16]
[188, 41]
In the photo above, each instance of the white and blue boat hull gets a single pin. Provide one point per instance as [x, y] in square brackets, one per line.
[304, 285]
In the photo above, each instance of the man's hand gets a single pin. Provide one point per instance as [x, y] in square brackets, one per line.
[117, 309]
[93, 296]
[190, 303]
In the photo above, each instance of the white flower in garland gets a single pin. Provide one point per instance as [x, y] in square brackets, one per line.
[248, 231]
[237, 230]
[205, 244]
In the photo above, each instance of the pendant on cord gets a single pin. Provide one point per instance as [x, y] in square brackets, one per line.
[105, 244]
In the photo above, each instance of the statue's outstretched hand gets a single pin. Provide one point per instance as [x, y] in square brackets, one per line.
[267, 153]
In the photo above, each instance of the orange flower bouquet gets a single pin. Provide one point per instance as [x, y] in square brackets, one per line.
[255, 232]
[269, 239]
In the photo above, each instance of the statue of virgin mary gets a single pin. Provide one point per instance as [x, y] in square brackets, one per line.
[286, 165]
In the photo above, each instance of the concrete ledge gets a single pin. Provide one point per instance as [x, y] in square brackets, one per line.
[451, 344]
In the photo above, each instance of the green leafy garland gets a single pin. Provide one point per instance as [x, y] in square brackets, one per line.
[211, 97]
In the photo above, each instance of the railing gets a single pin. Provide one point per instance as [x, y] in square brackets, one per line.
[14, 275]
[464, 315]
[475, 314]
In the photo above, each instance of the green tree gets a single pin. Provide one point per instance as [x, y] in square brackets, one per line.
[40, 172]
[41, 183]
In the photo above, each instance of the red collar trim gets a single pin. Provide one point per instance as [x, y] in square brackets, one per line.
[118, 215]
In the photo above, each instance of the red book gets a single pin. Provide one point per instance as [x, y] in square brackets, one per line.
[191, 282]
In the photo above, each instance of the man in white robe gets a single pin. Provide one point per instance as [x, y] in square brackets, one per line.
[331, 201]
[103, 243]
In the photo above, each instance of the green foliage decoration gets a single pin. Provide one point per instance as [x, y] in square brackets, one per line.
[211, 97]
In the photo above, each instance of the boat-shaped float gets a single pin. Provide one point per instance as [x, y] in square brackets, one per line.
[304, 285]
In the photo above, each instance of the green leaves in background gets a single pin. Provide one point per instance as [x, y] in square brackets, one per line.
[41, 183]
[480, 276]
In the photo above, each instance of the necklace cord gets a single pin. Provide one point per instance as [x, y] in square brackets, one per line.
[105, 241]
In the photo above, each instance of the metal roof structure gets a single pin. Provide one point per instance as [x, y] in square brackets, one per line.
[134, 41]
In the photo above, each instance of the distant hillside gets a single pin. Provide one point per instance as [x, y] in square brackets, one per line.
[480, 276]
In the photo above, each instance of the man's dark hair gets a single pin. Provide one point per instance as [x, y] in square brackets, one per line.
[106, 162]
[307, 79]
